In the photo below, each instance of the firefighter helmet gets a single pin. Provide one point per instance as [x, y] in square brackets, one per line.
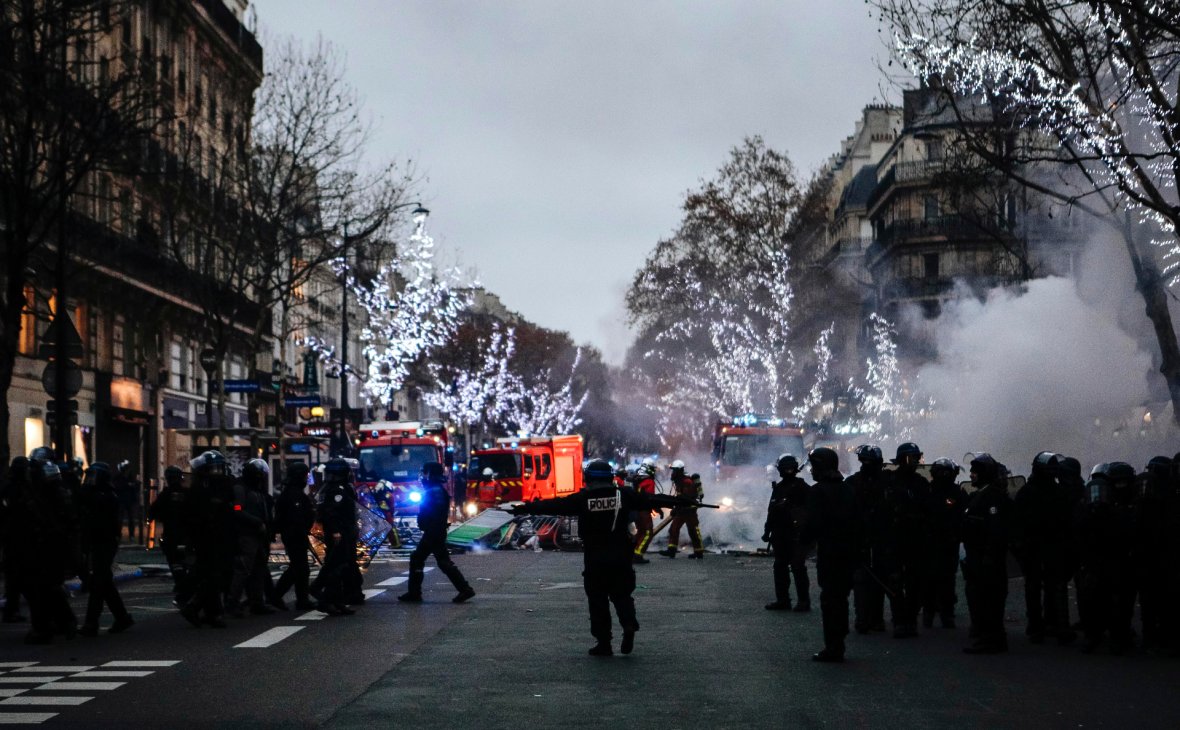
[678, 464]
[487, 472]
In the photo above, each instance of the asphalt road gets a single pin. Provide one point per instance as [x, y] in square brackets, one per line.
[707, 655]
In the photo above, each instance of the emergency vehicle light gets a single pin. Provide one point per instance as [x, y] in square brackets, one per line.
[415, 497]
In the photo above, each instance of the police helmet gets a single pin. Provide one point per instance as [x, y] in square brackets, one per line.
[44, 472]
[1121, 475]
[823, 459]
[210, 463]
[1067, 466]
[1160, 467]
[41, 453]
[99, 475]
[173, 475]
[297, 473]
[338, 471]
[255, 473]
[1100, 470]
[599, 472]
[433, 473]
[944, 466]
[1047, 462]
[787, 464]
[869, 454]
[908, 453]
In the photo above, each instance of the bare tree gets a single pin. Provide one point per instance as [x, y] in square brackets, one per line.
[70, 108]
[1083, 99]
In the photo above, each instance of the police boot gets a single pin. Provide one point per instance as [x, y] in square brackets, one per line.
[602, 648]
[803, 606]
[829, 654]
[465, 593]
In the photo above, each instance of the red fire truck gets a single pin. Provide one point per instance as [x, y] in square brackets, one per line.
[391, 457]
[523, 469]
[743, 447]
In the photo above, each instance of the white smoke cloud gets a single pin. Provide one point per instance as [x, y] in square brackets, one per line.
[1040, 369]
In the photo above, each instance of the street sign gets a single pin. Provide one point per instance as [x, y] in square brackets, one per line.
[241, 386]
[318, 428]
[301, 401]
[208, 358]
[70, 414]
[73, 379]
[62, 329]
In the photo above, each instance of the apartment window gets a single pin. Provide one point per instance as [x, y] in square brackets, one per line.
[930, 208]
[934, 149]
[117, 346]
[930, 265]
[28, 323]
[176, 365]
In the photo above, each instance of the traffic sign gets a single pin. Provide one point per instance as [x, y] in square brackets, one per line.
[70, 415]
[61, 331]
[73, 378]
[241, 386]
[301, 401]
[208, 358]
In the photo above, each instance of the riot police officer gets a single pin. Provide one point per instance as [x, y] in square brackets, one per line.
[947, 500]
[868, 485]
[170, 511]
[907, 497]
[338, 519]
[253, 528]
[101, 531]
[608, 576]
[986, 525]
[52, 530]
[211, 529]
[1040, 532]
[835, 525]
[1106, 537]
[294, 517]
[1153, 505]
[15, 542]
[433, 513]
[785, 517]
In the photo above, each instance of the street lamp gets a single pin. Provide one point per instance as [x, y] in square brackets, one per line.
[419, 212]
[208, 358]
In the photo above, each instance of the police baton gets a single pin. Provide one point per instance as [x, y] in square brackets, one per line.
[888, 591]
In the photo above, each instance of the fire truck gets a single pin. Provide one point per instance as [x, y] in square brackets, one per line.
[743, 447]
[523, 469]
[391, 457]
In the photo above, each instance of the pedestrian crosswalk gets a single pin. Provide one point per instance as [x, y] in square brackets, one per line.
[28, 686]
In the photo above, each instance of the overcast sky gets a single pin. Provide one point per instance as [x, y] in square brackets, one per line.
[558, 138]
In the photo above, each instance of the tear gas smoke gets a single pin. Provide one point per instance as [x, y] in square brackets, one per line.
[1039, 369]
[737, 526]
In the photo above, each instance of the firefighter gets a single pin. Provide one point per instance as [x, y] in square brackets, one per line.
[253, 527]
[1040, 531]
[907, 497]
[690, 490]
[869, 486]
[485, 490]
[645, 483]
[101, 532]
[947, 500]
[607, 577]
[785, 518]
[835, 525]
[169, 511]
[986, 524]
[432, 520]
[294, 517]
[338, 519]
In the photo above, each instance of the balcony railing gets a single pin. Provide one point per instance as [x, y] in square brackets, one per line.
[224, 18]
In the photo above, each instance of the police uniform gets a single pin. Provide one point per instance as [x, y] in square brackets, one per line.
[986, 523]
[433, 517]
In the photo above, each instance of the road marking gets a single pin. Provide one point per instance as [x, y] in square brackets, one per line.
[312, 616]
[372, 592]
[83, 686]
[12, 692]
[8, 679]
[43, 700]
[99, 673]
[396, 581]
[7, 665]
[269, 637]
[25, 718]
[147, 663]
[52, 670]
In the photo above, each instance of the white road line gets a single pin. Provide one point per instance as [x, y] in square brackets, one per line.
[312, 616]
[25, 718]
[7, 665]
[99, 673]
[269, 637]
[12, 692]
[144, 663]
[44, 700]
[8, 679]
[82, 686]
[52, 670]
[396, 581]
[373, 592]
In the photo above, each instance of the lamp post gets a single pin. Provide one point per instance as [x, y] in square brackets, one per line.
[419, 212]
[208, 358]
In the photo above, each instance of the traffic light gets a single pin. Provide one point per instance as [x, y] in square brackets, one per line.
[70, 414]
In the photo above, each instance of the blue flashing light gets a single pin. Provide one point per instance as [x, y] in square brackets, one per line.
[375, 433]
[421, 432]
[451, 449]
[415, 497]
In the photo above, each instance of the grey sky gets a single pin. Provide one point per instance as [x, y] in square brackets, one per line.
[559, 137]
